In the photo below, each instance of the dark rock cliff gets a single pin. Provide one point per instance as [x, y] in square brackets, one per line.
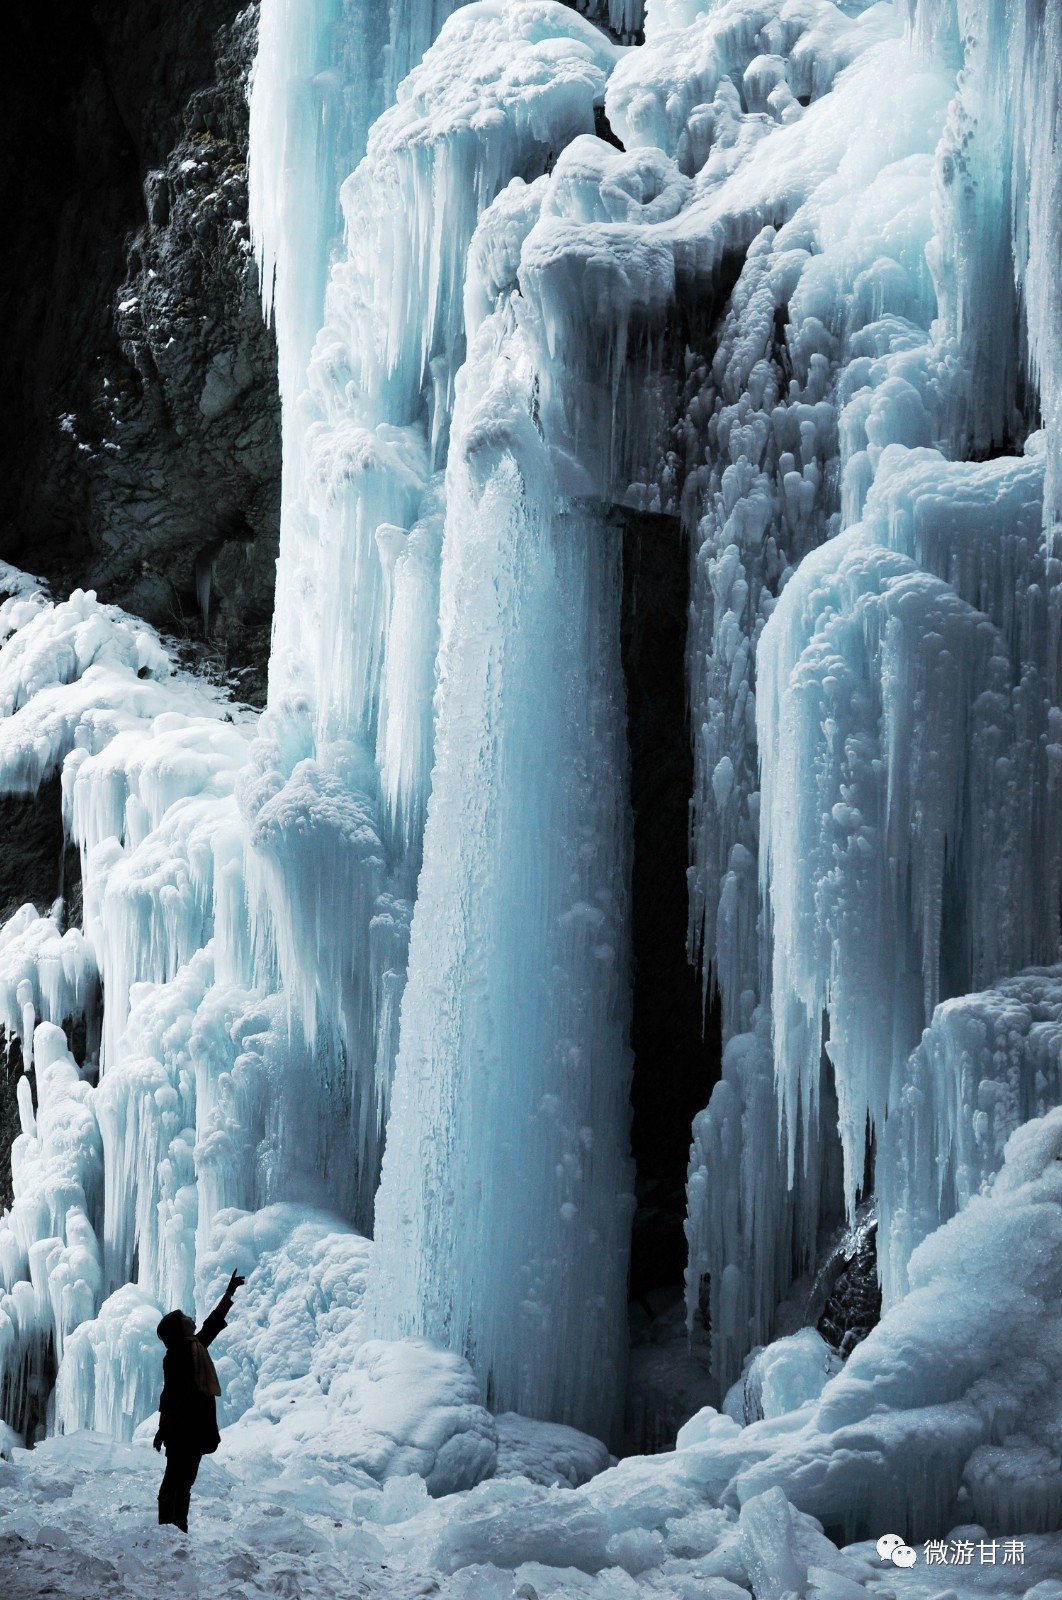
[140, 417]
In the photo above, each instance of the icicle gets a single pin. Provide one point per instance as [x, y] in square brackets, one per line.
[748, 1238]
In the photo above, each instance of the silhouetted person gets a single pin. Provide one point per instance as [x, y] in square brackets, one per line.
[188, 1419]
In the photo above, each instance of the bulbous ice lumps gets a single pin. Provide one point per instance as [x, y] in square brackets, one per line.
[73, 673]
[596, 280]
[888, 382]
[969, 794]
[823, 359]
[45, 973]
[111, 1374]
[211, 1104]
[50, 1277]
[540, 71]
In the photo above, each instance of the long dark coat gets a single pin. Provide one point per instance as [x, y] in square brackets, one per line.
[188, 1418]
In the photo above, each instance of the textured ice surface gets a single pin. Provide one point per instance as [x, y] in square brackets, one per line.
[336, 799]
[45, 972]
[514, 1015]
[79, 1515]
[878, 736]
[988, 1063]
[546, 1452]
[783, 1377]
[81, 678]
[947, 1410]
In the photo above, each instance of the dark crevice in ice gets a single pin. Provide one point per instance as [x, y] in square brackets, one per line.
[675, 1063]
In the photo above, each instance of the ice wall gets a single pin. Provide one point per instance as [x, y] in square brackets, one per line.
[102, 1175]
[249, 884]
[875, 719]
[809, 306]
[821, 357]
[948, 1410]
[829, 279]
[1002, 185]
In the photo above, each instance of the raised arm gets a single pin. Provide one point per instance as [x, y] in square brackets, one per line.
[213, 1324]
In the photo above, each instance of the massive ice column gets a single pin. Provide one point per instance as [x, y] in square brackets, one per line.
[517, 962]
[505, 1206]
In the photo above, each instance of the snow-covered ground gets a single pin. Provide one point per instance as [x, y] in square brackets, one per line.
[77, 1519]
[361, 1467]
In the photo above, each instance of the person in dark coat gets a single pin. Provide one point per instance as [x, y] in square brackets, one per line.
[188, 1419]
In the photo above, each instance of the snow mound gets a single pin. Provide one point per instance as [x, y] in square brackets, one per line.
[310, 1393]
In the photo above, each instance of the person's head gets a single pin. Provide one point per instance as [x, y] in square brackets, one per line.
[174, 1327]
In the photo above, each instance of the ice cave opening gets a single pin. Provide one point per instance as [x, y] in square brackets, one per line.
[603, 990]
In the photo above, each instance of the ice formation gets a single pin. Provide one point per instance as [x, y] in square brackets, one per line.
[947, 1412]
[873, 658]
[361, 964]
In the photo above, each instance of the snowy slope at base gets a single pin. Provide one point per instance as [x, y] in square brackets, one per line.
[941, 1427]
[77, 1517]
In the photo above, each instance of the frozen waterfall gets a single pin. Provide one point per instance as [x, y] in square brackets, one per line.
[358, 968]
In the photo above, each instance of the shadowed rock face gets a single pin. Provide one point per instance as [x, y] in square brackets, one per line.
[854, 1305]
[140, 431]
